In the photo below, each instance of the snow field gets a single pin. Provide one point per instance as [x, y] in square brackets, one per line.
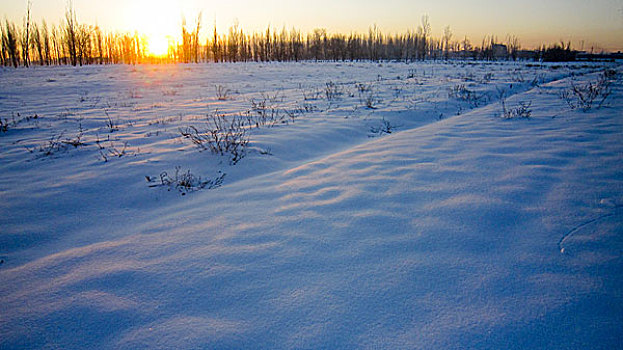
[458, 230]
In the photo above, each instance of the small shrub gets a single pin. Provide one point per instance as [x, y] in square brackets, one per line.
[111, 125]
[385, 128]
[367, 96]
[164, 120]
[57, 144]
[311, 94]
[522, 110]
[517, 76]
[77, 140]
[538, 80]
[610, 74]
[112, 150]
[363, 87]
[299, 109]
[332, 91]
[222, 93]
[462, 93]
[266, 114]
[5, 123]
[469, 76]
[220, 137]
[272, 99]
[52, 146]
[293, 114]
[185, 181]
[584, 96]
[487, 78]
[84, 96]
[266, 152]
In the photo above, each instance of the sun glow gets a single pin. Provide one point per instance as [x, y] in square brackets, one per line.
[158, 20]
[157, 46]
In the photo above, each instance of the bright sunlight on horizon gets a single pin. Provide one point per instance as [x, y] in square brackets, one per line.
[152, 18]
[587, 25]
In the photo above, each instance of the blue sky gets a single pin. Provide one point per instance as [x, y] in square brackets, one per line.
[596, 23]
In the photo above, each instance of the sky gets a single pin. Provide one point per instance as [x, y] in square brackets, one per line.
[596, 23]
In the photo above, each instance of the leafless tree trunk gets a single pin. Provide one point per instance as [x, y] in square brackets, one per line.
[71, 35]
[9, 41]
[36, 43]
[26, 37]
[58, 45]
[195, 40]
[513, 46]
[447, 36]
[46, 43]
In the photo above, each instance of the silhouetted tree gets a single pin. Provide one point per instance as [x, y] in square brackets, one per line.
[233, 43]
[26, 37]
[9, 42]
[37, 42]
[512, 42]
[71, 37]
[99, 44]
[558, 53]
[195, 40]
[45, 38]
[447, 36]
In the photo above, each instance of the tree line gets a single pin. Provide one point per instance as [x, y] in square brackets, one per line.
[73, 43]
[69, 43]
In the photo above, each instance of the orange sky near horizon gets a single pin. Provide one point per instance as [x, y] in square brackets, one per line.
[596, 24]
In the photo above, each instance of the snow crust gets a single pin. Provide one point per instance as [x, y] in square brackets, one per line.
[459, 229]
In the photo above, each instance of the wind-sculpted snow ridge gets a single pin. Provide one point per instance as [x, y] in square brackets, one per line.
[453, 234]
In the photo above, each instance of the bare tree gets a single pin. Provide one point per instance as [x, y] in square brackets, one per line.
[57, 42]
[9, 42]
[83, 46]
[447, 36]
[195, 40]
[45, 38]
[26, 36]
[215, 45]
[37, 43]
[188, 51]
[71, 36]
[375, 40]
[4, 60]
[466, 47]
[267, 43]
[184, 49]
[233, 43]
[99, 44]
[296, 43]
[512, 42]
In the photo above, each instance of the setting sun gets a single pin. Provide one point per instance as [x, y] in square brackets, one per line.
[157, 46]
[157, 20]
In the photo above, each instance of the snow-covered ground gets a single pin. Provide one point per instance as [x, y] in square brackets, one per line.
[386, 206]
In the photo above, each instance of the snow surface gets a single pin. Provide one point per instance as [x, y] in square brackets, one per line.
[459, 229]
